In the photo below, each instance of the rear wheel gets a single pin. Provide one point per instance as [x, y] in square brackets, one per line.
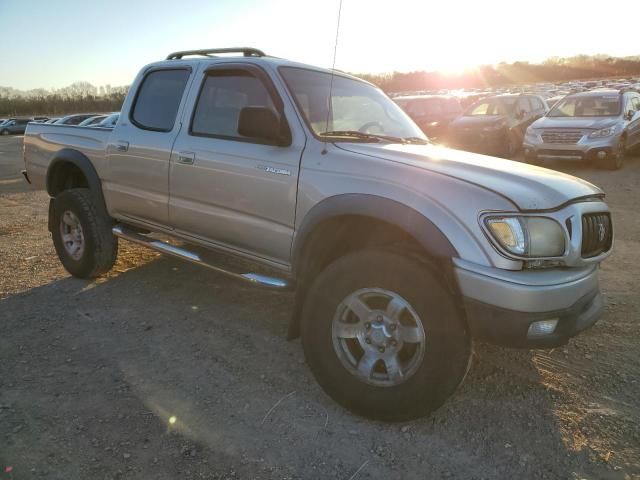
[82, 234]
[383, 336]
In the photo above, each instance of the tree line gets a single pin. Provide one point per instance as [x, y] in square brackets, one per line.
[84, 97]
[76, 98]
[552, 70]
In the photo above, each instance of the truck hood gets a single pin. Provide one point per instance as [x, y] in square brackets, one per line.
[592, 123]
[527, 186]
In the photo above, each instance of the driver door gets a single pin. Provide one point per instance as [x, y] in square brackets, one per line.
[230, 190]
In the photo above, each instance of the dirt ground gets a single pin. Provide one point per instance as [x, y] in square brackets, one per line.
[164, 370]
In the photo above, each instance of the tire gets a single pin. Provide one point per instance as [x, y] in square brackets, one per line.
[4, 132]
[615, 162]
[90, 250]
[431, 370]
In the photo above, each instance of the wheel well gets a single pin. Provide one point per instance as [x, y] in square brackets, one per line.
[342, 235]
[65, 175]
[339, 236]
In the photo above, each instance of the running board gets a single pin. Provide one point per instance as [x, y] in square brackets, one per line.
[162, 247]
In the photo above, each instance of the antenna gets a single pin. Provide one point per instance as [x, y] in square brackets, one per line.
[333, 67]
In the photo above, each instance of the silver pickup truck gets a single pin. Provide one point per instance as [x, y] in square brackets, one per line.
[401, 253]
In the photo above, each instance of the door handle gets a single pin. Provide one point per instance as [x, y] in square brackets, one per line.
[122, 146]
[186, 158]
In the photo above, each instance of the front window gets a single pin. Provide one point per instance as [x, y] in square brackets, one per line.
[492, 106]
[587, 106]
[356, 106]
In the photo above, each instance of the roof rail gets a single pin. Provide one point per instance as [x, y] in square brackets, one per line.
[246, 51]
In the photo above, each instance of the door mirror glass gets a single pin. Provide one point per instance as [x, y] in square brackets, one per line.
[260, 123]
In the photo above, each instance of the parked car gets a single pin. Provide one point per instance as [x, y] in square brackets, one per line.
[92, 121]
[600, 126]
[74, 119]
[109, 122]
[400, 252]
[432, 113]
[53, 120]
[496, 125]
[14, 126]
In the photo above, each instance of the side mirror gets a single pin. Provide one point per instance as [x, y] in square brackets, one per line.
[629, 115]
[520, 114]
[261, 123]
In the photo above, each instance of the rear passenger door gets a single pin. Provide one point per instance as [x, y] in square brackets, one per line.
[230, 190]
[136, 185]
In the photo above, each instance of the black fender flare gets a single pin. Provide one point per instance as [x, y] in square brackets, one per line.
[82, 162]
[414, 223]
[390, 211]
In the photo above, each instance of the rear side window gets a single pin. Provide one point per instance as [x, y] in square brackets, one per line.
[537, 104]
[158, 99]
[523, 104]
[223, 95]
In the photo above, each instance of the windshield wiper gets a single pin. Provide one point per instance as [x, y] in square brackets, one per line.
[416, 140]
[374, 136]
[361, 136]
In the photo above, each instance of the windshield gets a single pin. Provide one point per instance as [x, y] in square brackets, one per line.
[492, 106]
[587, 106]
[355, 106]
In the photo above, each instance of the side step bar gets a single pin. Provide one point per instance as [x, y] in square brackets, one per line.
[162, 247]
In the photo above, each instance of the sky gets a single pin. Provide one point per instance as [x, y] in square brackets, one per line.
[51, 44]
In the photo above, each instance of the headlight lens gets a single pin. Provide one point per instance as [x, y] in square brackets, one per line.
[531, 134]
[604, 132]
[530, 237]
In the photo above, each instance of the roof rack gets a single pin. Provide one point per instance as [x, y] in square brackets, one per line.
[246, 51]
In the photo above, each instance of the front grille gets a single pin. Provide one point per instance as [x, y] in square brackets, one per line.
[563, 137]
[597, 234]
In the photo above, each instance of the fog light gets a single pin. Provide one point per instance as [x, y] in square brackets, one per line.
[542, 328]
[602, 155]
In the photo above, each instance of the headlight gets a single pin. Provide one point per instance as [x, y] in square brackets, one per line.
[529, 237]
[531, 134]
[604, 132]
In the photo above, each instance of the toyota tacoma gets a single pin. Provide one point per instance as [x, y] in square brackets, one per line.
[401, 253]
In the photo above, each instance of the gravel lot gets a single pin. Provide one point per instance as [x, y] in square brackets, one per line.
[164, 370]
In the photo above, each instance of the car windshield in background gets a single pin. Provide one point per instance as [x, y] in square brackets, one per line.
[356, 107]
[493, 106]
[430, 106]
[587, 106]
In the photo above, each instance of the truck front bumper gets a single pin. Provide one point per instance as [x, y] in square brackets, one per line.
[501, 306]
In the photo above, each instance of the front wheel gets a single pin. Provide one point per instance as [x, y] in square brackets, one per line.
[383, 337]
[82, 234]
[616, 160]
[4, 132]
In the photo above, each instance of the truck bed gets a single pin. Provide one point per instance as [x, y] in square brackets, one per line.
[43, 141]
